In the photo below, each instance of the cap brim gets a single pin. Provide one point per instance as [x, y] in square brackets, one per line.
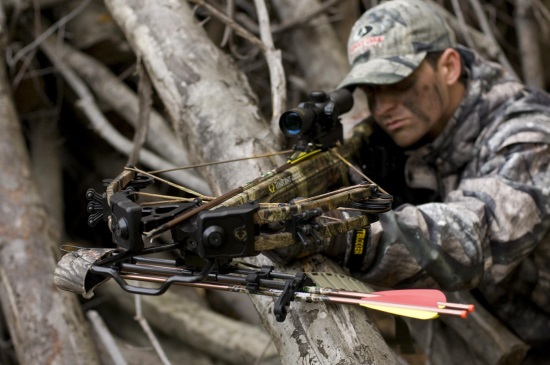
[382, 71]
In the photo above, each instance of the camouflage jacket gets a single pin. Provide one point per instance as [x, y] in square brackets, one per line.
[488, 228]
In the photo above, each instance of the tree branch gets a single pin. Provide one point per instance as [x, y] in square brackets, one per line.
[232, 24]
[105, 129]
[145, 91]
[40, 318]
[462, 23]
[104, 335]
[528, 39]
[276, 71]
[114, 93]
[484, 24]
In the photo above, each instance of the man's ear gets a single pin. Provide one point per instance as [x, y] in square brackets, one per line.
[450, 66]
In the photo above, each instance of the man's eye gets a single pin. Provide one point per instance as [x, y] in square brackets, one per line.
[404, 85]
[368, 89]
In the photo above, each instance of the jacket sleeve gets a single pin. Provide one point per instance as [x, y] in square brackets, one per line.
[481, 231]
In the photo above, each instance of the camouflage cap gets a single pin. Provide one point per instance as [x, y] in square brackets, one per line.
[390, 40]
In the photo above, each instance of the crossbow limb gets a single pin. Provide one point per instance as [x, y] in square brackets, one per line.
[207, 235]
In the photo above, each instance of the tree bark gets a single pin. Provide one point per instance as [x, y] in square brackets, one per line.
[118, 96]
[191, 323]
[46, 163]
[529, 46]
[204, 95]
[102, 126]
[214, 112]
[22, 5]
[319, 51]
[46, 325]
[483, 44]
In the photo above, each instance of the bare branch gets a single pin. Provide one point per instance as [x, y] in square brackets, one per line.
[231, 23]
[528, 36]
[149, 332]
[145, 91]
[276, 70]
[230, 10]
[304, 18]
[319, 51]
[272, 56]
[114, 93]
[192, 323]
[106, 338]
[105, 129]
[293, 22]
[45, 324]
[485, 46]
[484, 24]
[463, 26]
[12, 61]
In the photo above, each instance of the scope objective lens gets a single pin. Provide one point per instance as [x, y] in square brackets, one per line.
[291, 123]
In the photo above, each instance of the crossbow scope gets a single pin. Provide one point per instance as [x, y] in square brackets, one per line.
[317, 120]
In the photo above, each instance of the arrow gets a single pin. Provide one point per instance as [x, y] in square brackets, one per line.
[415, 303]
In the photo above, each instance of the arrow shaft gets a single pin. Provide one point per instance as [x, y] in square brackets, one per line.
[306, 296]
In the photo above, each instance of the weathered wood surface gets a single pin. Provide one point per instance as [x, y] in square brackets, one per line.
[315, 45]
[46, 325]
[176, 314]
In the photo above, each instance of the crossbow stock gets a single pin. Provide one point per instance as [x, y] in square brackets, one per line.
[206, 235]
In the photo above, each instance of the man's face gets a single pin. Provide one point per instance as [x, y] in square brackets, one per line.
[414, 109]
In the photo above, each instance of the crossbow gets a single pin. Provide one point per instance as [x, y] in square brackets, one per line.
[206, 235]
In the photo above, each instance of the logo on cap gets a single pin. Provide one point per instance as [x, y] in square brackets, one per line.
[363, 31]
[363, 45]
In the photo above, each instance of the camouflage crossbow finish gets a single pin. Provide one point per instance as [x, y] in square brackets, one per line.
[206, 235]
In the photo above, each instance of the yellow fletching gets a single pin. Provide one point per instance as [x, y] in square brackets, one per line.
[405, 312]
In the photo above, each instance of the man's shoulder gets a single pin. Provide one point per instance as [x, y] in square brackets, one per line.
[532, 101]
[525, 119]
